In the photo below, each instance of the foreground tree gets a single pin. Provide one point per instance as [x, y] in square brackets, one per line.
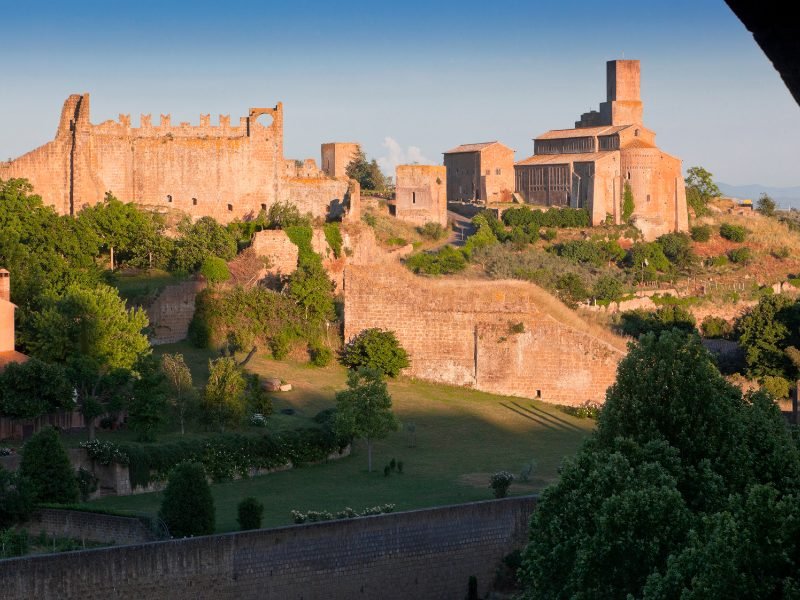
[16, 500]
[224, 396]
[686, 490]
[364, 409]
[181, 392]
[147, 407]
[32, 389]
[46, 466]
[766, 205]
[188, 507]
[375, 349]
[700, 188]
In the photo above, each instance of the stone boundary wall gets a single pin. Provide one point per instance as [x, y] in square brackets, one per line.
[418, 554]
[96, 527]
[172, 311]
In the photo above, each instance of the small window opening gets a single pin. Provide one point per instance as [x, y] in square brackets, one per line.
[194, 201]
[648, 197]
[169, 198]
[230, 207]
[636, 132]
[497, 171]
[539, 394]
[629, 175]
[263, 207]
[413, 197]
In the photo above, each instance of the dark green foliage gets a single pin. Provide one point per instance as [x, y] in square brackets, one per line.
[375, 349]
[677, 247]
[701, 233]
[765, 331]
[549, 234]
[647, 260]
[672, 496]
[628, 205]
[215, 270]
[500, 482]
[16, 499]
[283, 215]
[700, 188]
[33, 388]
[187, 507]
[333, 235]
[13, 543]
[321, 355]
[148, 405]
[672, 316]
[766, 205]
[443, 262]
[609, 289]
[257, 399]
[554, 217]
[433, 231]
[223, 403]
[46, 466]
[309, 285]
[482, 238]
[716, 327]
[249, 511]
[87, 483]
[595, 253]
[740, 255]
[734, 233]
[571, 289]
[198, 241]
[368, 174]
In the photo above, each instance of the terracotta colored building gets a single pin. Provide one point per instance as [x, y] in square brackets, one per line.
[591, 165]
[336, 156]
[8, 354]
[482, 173]
[226, 171]
[420, 194]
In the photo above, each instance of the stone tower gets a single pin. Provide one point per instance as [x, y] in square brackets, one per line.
[623, 105]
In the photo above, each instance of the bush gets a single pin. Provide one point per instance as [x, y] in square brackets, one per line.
[321, 355]
[433, 231]
[215, 270]
[483, 237]
[571, 289]
[16, 500]
[46, 466]
[740, 255]
[555, 217]
[500, 482]
[445, 261]
[283, 215]
[775, 386]
[250, 511]
[375, 349]
[627, 203]
[188, 507]
[635, 323]
[701, 233]
[734, 233]
[677, 248]
[608, 288]
[549, 234]
[716, 327]
[333, 236]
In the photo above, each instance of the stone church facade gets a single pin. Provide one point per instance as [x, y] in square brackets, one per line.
[590, 165]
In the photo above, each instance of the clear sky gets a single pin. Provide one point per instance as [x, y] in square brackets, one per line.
[408, 80]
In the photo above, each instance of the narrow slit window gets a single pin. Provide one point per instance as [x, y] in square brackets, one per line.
[230, 207]
[169, 198]
[194, 201]
[413, 197]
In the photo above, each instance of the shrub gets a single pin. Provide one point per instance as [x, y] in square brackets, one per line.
[587, 410]
[638, 322]
[740, 255]
[321, 355]
[16, 500]
[87, 483]
[333, 236]
[628, 205]
[433, 231]
[445, 261]
[13, 543]
[701, 233]
[215, 270]
[500, 482]
[608, 288]
[483, 236]
[46, 466]
[647, 259]
[677, 248]
[734, 233]
[376, 349]
[250, 511]
[716, 327]
[555, 217]
[549, 234]
[775, 386]
[571, 289]
[188, 507]
[283, 215]
[719, 261]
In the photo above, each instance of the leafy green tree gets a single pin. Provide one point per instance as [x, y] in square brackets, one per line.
[776, 387]
[442, 262]
[368, 174]
[181, 392]
[677, 247]
[364, 409]
[628, 205]
[33, 388]
[188, 507]
[312, 289]
[250, 511]
[16, 500]
[148, 405]
[571, 289]
[215, 270]
[766, 205]
[224, 396]
[99, 341]
[46, 466]
[200, 240]
[482, 238]
[700, 188]
[375, 349]
[608, 288]
[765, 331]
[283, 215]
[672, 316]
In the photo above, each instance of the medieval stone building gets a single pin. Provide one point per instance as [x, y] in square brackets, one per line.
[336, 156]
[420, 194]
[8, 353]
[609, 150]
[482, 173]
[225, 171]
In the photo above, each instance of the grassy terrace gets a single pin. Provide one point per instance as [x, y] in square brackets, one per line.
[462, 436]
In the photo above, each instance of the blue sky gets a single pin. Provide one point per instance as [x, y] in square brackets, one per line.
[408, 80]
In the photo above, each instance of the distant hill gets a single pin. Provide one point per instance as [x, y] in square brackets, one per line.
[786, 197]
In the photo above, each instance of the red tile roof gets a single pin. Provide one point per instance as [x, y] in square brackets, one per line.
[470, 147]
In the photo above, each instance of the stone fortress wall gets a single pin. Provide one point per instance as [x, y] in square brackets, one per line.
[427, 553]
[224, 171]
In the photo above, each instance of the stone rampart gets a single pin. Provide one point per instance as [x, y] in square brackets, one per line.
[172, 311]
[89, 526]
[418, 554]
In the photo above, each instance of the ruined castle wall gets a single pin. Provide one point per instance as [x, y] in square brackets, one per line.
[336, 156]
[322, 197]
[172, 311]
[418, 554]
[421, 195]
[506, 337]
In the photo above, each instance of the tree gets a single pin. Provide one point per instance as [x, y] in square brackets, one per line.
[46, 466]
[766, 205]
[179, 381]
[282, 215]
[250, 511]
[677, 247]
[375, 349]
[765, 331]
[700, 188]
[16, 500]
[628, 205]
[99, 341]
[32, 389]
[223, 398]
[147, 408]
[215, 270]
[368, 174]
[188, 507]
[312, 289]
[200, 240]
[364, 409]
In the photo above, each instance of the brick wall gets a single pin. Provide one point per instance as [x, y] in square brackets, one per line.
[88, 526]
[419, 554]
[172, 311]
[421, 194]
[462, 332]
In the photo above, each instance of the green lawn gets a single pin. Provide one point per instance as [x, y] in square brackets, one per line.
[462, 436]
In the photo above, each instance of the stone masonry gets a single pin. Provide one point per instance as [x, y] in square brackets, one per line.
[421, 194]
[336, 156]
[505, 337]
